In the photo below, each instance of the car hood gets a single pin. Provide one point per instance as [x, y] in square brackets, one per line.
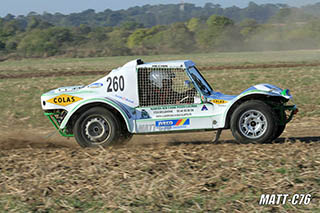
[65, 89]
[269, 89]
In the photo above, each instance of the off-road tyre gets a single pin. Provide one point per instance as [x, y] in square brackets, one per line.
[125, 137]
[97, 127]
[280, 127]
[279, 131]
[254, 122]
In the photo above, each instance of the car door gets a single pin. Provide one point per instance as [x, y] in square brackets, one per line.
[169, 101]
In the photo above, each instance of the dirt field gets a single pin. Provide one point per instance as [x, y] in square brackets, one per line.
[40, 171]
[104, 72]
[159, 173]
[304, 130]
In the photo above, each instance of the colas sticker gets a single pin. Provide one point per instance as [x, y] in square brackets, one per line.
[218, 101]
[64, 100]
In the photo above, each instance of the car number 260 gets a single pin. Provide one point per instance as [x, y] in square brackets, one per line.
[115, 83]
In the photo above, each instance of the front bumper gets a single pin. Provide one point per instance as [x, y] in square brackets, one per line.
[293, 111]
[53, 119]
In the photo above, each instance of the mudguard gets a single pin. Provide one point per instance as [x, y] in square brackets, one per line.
[266, 90]
[114, 104]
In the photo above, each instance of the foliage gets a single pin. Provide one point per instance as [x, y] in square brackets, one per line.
[44, 42]
[215, 32]
[160, 29]
[151, 15]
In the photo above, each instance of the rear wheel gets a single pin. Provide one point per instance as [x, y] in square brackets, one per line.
[97, 127]
[253, 122]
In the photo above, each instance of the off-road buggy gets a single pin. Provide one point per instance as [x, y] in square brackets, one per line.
[164, 97]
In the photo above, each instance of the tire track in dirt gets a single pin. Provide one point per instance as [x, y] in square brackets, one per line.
[103, 72]
[34, 138]
[39, 138]
[135, 143]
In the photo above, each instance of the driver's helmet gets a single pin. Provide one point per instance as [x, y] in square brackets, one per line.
[156, 77]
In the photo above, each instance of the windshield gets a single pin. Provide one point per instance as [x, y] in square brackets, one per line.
[200, 81]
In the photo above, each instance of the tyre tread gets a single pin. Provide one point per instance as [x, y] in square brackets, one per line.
[113, 122]
[257, 104]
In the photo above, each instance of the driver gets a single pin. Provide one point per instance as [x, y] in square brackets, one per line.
[162, 91]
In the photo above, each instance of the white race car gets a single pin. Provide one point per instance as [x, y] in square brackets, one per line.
[163, 97]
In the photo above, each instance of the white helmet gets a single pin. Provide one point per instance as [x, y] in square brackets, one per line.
[157, 76]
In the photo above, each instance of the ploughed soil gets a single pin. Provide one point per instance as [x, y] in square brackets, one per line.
[43, 172]
[103, 72]
[40, 171]
[305, 130]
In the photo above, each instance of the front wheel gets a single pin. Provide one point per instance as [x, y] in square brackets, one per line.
[279, 131]
[125, 137]
[253, 122]
[96, 127]
[280, 127]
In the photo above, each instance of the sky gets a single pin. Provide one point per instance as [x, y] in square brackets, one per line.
[23, 7]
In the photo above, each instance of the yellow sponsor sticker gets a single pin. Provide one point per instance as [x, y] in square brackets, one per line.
[64, 100]
[218, 101]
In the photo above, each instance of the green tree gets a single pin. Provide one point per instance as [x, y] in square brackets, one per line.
[177, 38]
[144, 41]
[194, 24]
[131, 25]
[99, 34]
[83, 29]
[11, 28]
[208, 38]
[248, 27]
[11, 45]
[219, 22]
[46, 42]
[282, 16]
[2, 45]
[36, 23]
[117, 42]
[136, 38]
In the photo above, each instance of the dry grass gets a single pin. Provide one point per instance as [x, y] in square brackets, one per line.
[24, 94]
[108, 63]
[38, 174]
[161, 178]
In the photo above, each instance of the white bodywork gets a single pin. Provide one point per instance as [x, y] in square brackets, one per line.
[119, 89]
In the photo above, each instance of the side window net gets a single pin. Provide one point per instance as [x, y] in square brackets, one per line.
[161, 86]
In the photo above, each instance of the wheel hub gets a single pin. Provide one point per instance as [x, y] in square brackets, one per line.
[253, 124]
[97, 129]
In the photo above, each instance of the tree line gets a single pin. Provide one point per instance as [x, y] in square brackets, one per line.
[282, 29]
[152, 15]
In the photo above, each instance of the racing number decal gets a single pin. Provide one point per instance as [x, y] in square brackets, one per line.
[121, 83]
[109, 82]
[115, 84]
